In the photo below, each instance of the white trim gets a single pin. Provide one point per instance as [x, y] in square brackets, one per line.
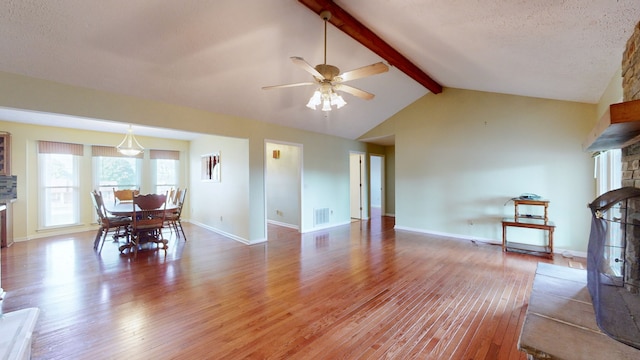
[448, 235]
[570, 253]
[278, 223]
[226, 234]
[325, 227]
[363, 170]
[72, 229]
[563, 252]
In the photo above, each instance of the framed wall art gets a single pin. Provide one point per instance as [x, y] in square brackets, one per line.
[210, 165]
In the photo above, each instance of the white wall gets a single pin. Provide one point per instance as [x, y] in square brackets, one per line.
[375, 170]
[461, 155]
[283, 184]
[221, 206]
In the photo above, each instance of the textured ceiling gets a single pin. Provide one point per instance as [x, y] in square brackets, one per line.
[216, 55]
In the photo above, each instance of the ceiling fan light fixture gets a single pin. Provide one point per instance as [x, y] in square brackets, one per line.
[328, 78]
[337, 100]
[315, 100]
[129, 145]
[326, 105]
[326, 97]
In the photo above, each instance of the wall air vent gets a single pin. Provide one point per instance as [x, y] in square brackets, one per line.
[320, 216]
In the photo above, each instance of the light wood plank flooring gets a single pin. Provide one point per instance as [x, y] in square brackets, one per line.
[357, 291]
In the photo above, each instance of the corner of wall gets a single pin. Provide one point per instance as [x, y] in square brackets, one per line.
[611, 95]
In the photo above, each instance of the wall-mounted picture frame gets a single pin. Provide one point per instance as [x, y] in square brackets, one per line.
[210, 167]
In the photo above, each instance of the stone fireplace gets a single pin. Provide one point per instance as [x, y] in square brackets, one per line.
[613, 259]
[631, 157]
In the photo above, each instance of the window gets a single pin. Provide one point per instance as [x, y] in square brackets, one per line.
[608, 174]
[165, 169]
[608, 170]
[59, 183]
[114, 170]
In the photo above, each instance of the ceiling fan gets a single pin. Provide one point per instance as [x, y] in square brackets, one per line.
[330, 81]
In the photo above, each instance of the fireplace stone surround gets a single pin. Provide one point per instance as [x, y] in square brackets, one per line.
[631, 156]
[616, 293]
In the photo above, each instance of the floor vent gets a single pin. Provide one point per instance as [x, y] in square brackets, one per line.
[321, 216]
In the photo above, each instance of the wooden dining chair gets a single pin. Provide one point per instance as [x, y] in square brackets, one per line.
[118, 225]
[171, 196]
[173, 219]
[148, 220]
[124, 195]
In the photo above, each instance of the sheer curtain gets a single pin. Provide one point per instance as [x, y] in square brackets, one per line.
[608, 171]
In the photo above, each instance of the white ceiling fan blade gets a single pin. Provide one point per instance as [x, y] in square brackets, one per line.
[354, 91]
[287, 85]
[306, 67]
[364, 71]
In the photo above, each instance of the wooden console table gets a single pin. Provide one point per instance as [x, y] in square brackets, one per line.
[529, 221]
[531, 202]
[560, 322]
[544, 250]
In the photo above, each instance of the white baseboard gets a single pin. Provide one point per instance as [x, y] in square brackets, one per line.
[278, 223]
[449, 235]
[563, 252]
[570, 253]
[58, 231]
[231, 236]
[329, 226]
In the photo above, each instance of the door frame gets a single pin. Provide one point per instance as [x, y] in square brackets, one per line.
[357, 182]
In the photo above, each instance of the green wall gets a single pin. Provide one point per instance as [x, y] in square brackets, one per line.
[461, 155]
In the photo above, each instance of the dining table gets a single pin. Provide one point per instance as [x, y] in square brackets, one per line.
[125, 208]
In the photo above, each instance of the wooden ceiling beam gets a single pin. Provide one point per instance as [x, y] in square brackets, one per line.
[354, 28]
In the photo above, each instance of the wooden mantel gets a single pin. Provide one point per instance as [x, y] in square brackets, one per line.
[619, 127]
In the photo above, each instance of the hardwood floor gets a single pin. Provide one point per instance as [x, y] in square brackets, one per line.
[357, 291]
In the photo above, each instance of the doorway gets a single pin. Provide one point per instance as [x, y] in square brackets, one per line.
[283, 178]
[376, 181]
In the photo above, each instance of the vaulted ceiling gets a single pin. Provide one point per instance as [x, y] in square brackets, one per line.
[217, 55]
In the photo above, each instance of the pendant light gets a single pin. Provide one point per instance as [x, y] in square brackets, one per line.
[129, 145]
